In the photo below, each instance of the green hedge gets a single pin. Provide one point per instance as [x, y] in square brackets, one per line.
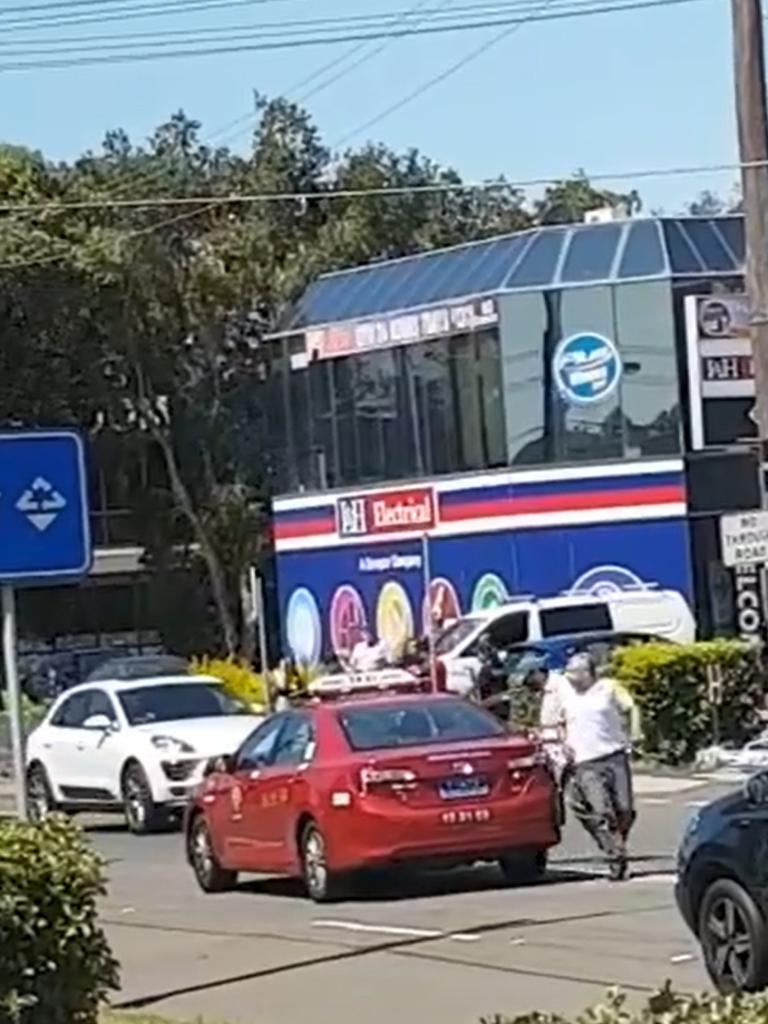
[664, 1008]
[669, 683]
[56, 966]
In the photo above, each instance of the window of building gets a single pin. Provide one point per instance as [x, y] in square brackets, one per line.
[640, 417]
[650, 400]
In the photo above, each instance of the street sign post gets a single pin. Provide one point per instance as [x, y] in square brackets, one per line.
[44, 539]
[744, 538]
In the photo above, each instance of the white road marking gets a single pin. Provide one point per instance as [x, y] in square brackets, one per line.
[517, 942]
[681, 958]
[698, 803]
[656, 800]
[388, 929]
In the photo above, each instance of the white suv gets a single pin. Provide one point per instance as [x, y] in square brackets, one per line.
[137, 745]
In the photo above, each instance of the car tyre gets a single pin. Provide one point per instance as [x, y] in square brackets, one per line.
[210, 875]
[523, 867]
[321, 883]
[40, 800]
[142, 815]
[734, 938]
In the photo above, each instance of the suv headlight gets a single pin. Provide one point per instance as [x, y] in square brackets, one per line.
[172, 745]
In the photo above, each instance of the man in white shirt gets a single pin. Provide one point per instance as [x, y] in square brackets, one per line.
[592, 712]
[366, 655]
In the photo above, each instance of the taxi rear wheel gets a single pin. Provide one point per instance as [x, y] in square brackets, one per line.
[523, 866]
[210, 875]
[321, 883]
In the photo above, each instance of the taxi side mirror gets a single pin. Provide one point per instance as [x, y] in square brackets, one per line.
[224, 764]
[756, 789]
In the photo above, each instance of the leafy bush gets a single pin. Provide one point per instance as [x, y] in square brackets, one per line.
[238, 678]
[666, 1007]
[56, 966]
[669, 683]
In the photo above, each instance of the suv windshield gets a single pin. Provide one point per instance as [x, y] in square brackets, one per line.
[415, 724]
[457, 632]
[175, 701]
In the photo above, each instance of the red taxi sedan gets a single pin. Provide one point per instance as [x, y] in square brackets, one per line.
[364, 781]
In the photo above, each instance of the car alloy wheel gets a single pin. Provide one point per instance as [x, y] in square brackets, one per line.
[733, 938]
[210, 875]
[141, 814]
[729, 943]
[40, 803]
[319, 880]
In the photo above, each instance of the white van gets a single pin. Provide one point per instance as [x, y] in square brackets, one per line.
[659, 613]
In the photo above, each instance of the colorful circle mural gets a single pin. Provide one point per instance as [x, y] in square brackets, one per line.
[441, 603]
[302, 627]
[347, 618]
[394, 617]
[490, 591]
[604, 580]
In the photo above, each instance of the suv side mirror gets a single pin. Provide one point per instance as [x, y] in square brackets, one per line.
[756, 789]
[101, 723]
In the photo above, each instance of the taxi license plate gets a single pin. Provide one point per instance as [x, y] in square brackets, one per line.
[474, 817]
[461, 789]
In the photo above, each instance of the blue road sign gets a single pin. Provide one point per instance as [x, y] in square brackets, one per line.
[44, 528]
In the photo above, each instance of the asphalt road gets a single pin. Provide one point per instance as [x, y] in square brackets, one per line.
[448, 948]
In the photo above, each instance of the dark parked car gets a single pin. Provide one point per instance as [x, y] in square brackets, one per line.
[722, 886]
[137, 666]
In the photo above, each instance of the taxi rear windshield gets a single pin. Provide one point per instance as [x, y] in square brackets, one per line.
[414, 725]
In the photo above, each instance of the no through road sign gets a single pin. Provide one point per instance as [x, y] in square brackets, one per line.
[744, 538]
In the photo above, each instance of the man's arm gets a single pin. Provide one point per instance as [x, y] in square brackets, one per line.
[552, 713]
[629, 708]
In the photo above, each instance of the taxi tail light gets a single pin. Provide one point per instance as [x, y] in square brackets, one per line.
[397, 779]
[519, 768]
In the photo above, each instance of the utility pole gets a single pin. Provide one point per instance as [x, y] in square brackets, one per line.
[749, 73]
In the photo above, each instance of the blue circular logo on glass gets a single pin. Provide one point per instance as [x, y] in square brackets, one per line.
[587, 368]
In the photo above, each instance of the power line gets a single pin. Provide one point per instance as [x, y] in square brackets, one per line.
[446, 73]
[384, 191]
[370, 21]
[312, 41]
[133, 10]
[230, 33]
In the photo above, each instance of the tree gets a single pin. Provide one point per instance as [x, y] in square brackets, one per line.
[566, 202]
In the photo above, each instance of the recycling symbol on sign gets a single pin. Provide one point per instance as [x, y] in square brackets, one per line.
[41, 503]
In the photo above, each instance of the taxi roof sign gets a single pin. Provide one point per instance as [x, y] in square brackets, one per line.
[340, 684]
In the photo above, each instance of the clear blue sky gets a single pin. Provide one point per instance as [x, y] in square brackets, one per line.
[622, 91]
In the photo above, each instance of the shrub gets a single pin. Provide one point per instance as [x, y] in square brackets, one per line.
[238, 678]
[669, 683]
[666, 1007]
[56, 966]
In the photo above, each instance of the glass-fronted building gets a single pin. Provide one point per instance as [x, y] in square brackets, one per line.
[523, 402]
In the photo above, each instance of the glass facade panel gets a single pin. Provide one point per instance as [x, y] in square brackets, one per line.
[639, 418]
[591, 253]
[650, 398]
[708, 245]
[643, 254]
[732, 230]
[539, 262]
[399, 413]
[682, 258]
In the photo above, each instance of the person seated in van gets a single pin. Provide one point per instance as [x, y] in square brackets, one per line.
[367, 655]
